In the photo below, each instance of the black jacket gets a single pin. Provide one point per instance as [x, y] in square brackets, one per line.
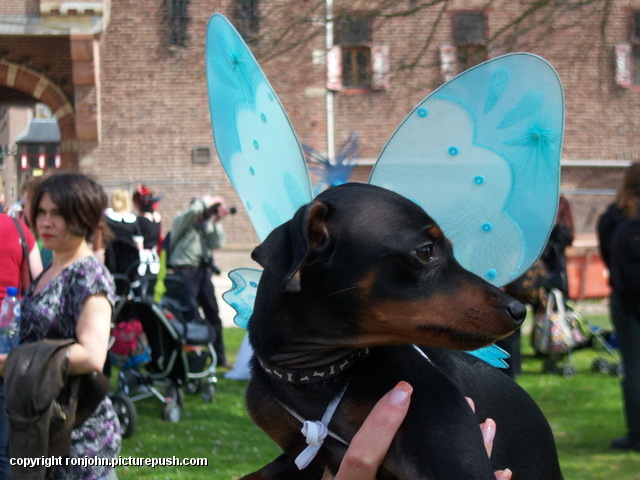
[44, 403]
[607, 224]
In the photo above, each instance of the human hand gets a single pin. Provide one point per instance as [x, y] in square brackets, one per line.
[369, 446]
[488, 430]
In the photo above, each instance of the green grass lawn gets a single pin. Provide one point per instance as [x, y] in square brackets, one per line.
[585, 413]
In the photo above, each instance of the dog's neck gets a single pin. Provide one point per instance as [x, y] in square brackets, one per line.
[296, 335]
[319, 373]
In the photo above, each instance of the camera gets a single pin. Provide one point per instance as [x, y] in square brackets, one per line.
[213, 210]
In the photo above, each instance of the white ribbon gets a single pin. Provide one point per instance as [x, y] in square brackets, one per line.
[316, 431]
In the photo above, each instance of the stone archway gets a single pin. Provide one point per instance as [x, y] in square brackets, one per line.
[44, 90]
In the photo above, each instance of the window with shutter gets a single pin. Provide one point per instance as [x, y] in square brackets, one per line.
[469, 31]
[628, 56]
[469, 46]
[355, 63]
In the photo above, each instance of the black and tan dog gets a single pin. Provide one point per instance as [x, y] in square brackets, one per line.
[350, 283]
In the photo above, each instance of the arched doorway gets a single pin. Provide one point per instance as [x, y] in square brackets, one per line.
[21, 89]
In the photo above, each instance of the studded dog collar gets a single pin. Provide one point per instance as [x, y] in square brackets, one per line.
[314, 375]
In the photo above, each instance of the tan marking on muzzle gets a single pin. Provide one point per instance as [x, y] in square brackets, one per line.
[457, 322]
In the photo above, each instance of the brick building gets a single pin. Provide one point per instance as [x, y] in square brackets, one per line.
[125, 81]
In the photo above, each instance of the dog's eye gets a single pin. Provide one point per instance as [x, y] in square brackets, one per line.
[425, 253]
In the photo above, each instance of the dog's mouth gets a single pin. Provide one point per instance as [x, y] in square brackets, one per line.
[447, 337]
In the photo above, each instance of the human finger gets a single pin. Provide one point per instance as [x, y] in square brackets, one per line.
[369, 446]
[471, 404]
[488, 429]
[503, 474]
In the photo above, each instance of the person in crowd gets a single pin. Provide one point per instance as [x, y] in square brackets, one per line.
[554, 255]
[620, 250]
[549, 272]
[194, 234]
[24, 213]
[66, 210]
[123, 251]
[146, 205]
[16, 270]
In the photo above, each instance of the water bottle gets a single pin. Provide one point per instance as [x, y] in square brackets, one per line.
[10, 321]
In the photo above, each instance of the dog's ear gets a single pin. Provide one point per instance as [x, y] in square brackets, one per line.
[296, 243]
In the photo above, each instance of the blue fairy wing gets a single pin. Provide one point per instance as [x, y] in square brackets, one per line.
[242, 294]
[493, 355]
[253, 135]
[481, 155]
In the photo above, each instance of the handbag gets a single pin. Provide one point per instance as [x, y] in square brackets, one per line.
[560, 329]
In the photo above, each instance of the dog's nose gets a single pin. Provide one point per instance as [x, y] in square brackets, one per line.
[517, 311]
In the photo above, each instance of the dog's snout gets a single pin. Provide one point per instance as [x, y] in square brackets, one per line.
[517, 311]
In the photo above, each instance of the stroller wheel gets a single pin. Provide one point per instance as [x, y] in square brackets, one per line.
[207, 391]
[176, 395]
[126, 412]
[171, 412]
[549, 366]
[616, 370]
[193, 387]
[600, 365]
[568, 371]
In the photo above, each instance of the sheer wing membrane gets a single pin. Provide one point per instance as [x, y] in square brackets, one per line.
[481, 154]
[254, 138]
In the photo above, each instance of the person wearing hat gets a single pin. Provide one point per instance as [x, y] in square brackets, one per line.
[194, 234]
[146, 206]
[149, 219]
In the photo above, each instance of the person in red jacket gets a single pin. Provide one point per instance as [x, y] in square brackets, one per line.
[15, 271]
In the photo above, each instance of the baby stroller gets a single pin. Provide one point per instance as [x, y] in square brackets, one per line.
[170, 346]
[604, 342]
[561, 330]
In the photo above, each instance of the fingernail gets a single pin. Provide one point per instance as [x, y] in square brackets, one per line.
[400, 394]
[488, 430]
[506, 474]
[471, 404]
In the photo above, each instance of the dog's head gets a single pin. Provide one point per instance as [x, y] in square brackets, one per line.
[384, 272]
